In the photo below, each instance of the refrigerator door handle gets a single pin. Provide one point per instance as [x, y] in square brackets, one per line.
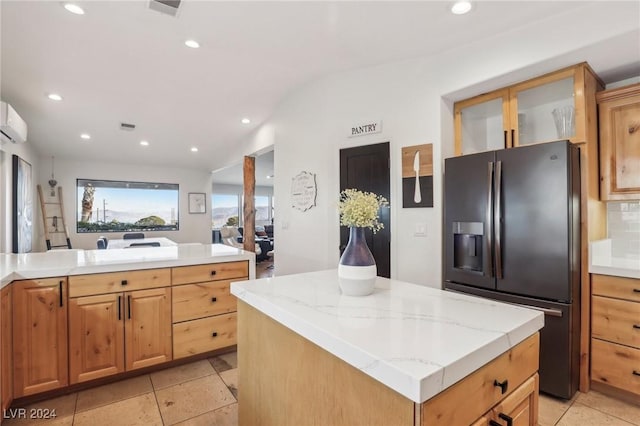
[497, 211]
[547, 311]
[489, 220]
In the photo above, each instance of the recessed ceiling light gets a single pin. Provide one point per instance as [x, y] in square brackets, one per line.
[192, 44]
[461, 7]
[74, 8]
[54, 97]
[194, 149]
[85, 136]
[245, 121]
[144, 143]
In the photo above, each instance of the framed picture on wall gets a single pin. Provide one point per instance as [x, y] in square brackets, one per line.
[197, 202]
[22, 208]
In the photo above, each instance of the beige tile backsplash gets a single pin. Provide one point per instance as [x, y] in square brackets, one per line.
[623, 227]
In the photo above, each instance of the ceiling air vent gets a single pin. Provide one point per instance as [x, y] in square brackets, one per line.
[168, 7]
[127, 126]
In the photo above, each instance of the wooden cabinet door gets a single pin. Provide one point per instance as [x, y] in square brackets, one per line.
[96, 337]
[521, 407]
[619, 114]
[6, 358]
[39, 335]
[147, 328]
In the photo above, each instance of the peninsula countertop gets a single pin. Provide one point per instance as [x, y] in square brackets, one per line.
[56, 263]
[414, 339]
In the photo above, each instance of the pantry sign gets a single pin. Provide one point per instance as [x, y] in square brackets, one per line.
[366, 128]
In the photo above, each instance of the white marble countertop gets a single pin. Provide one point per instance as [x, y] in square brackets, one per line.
[57, 263]
[602, 261]
[414, 339]
[118, 244]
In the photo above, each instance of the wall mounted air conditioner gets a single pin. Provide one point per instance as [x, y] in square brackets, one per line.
[12, 127]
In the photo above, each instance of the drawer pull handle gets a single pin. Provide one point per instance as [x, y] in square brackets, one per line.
[214, 334]
[506, 418]
[124, 282]
[119, 308]
[493, 422]
[636, 290]
[636, 326]
[213, 299]
[502, 385]
[60, 294]
[636, 373]
[213, 272]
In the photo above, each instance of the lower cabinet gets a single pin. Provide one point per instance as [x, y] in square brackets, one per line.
[112, 333]
[40, 361]
[6, 350]
[518, 409]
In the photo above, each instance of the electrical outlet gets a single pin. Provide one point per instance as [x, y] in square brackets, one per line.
[420, 230]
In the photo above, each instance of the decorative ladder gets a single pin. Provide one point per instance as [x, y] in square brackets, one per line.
[54, 220]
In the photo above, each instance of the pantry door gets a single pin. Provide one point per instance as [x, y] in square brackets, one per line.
[367, 168]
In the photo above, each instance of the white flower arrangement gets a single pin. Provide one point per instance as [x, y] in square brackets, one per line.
[360, 209]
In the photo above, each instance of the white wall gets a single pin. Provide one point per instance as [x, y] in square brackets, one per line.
[193, 227]
[223, 188]
[414, 100]
[24, 151]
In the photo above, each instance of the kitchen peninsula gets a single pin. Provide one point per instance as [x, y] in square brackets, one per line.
[405, 355]
[70, 317]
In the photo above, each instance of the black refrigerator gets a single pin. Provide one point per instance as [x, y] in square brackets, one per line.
[512, 233]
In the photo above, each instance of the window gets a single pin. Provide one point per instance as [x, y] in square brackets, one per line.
[262, 210]
[225, 210]
[116, 206]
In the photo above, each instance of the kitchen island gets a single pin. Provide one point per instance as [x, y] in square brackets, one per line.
[406, 354]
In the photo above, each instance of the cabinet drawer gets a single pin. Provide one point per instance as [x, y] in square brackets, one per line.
[201, 300]
[113, 282]
[202, 335]
[618, 287]
[478, 392]
[615, 365]
[616, 320]
[209, 272]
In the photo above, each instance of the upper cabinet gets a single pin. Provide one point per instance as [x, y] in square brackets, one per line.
[619, 123]
[544, 109]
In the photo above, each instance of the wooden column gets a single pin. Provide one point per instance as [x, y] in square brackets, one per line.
[249, 208]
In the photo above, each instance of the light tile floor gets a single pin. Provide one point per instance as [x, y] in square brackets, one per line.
[204, 393]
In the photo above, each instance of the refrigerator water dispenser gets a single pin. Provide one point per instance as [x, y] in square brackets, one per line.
[467, 245]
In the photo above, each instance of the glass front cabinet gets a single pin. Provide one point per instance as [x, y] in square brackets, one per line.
[544, 109]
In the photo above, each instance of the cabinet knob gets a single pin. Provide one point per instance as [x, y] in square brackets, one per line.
[213, 299]
[124, 282]
[502, 385]
[213, 272]
[214, 334]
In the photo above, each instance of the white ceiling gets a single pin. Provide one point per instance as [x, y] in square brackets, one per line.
[122, 62]
[233, 175]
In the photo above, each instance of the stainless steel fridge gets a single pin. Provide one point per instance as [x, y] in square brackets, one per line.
[512, 233]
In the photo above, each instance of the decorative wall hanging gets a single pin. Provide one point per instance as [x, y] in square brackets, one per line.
[417, 176]
[303, 191]
[22, 206]
[197, 202]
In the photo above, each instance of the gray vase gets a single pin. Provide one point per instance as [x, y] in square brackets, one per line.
[357, 268]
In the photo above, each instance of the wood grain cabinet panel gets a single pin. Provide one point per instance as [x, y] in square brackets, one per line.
[616, 287]
[214, 271]
[116, 282]
[616, 365]
[6, 351]
[521, 407]
[39, 336]
[148, 328]
[96, 337]
[201, 300]
[616, 320]
[619, 122]
[202, 335]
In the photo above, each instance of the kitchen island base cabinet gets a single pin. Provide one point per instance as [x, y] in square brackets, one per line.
[6, 348]
[40, 357]
[276, 364]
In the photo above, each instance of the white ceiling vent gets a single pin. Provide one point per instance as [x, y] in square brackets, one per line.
[168, 7]
[127, 126]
